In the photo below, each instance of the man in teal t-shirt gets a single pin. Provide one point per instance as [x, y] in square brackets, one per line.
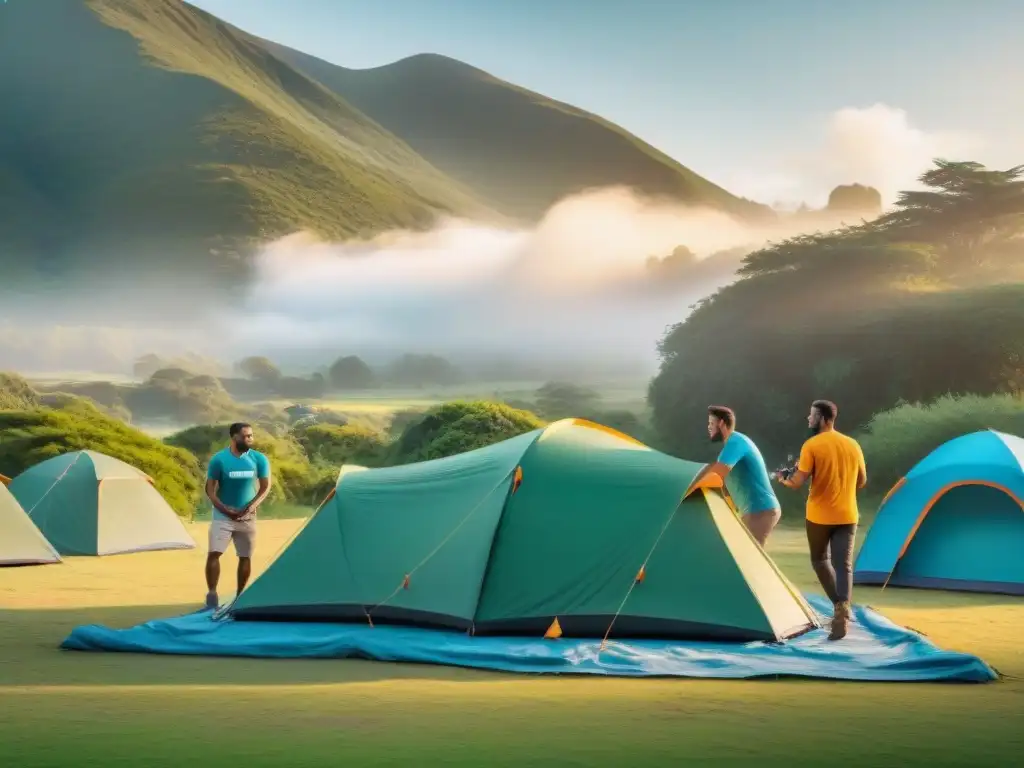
[742, 468]
[237, 482]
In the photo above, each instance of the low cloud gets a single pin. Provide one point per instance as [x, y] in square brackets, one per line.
[878, 145]
[576, 286]
[881, 147]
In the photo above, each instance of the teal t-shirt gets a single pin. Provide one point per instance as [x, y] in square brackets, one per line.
[748, 482]
[237, 477]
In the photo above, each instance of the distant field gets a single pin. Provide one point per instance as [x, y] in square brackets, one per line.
[50, 378]
[64, 708]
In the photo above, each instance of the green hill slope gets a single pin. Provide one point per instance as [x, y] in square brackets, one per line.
[138, 129]
[517, 149]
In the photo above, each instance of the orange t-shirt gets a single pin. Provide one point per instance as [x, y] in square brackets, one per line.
[834, 461]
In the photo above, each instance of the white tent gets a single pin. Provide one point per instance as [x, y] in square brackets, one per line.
[21, 543]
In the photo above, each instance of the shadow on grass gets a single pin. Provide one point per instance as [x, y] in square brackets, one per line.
[911, 597]
[30, 655]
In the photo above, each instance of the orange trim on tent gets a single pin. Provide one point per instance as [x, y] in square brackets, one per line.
[899, 484]
[602, 428]
[710, 480]
[326, 499]
[934, 500]
[5, 480]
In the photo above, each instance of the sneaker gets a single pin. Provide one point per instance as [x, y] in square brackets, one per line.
[211, 600]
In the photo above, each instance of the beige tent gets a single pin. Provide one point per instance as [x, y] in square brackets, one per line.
[87, 503]
[21, 543]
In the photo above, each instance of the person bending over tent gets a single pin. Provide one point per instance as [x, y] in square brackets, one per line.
[237, 482]
[835, 464]
[742, 468]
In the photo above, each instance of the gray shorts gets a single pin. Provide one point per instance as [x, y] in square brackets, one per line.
[761, 524]
[243, 534]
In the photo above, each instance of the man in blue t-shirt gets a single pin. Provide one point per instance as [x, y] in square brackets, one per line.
[237, 482]
[742, 468]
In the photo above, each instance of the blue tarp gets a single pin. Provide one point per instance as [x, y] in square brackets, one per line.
[875, 649]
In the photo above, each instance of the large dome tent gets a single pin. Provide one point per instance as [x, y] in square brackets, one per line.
[573, 530]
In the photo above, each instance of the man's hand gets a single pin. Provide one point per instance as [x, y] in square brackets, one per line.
[248, 510]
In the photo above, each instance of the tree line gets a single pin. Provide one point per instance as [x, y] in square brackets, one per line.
[924, 301]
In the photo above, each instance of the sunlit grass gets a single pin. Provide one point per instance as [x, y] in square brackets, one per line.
[64, 708]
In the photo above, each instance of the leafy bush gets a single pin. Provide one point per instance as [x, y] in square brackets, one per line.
[28, 437]
[458, 427]
[402, 420]
[68, 402]
[335, 445]
[351, 372]
[895, 440]
[109, 396]
[178, 395]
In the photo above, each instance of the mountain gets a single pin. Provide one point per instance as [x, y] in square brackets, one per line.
[134, 126]
[519, 150]
[147, 141]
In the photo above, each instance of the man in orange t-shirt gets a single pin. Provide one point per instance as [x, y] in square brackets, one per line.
[835, 464]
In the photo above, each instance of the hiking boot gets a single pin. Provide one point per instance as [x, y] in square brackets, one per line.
[840, 621]
[211, 600]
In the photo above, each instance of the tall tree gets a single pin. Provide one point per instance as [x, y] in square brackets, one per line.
[965, 207]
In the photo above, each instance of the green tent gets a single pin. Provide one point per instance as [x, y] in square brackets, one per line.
[86, 503]
[21, 543]
[572, 529]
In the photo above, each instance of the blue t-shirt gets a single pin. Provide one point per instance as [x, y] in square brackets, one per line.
[237, 477]
[748, 482]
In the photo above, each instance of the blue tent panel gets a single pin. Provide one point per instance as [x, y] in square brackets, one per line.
[956, 521]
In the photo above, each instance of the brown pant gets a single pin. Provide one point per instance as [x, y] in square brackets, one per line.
[761, 524]
[832, 558]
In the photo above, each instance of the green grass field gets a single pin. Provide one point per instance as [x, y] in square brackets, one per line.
[66, 708]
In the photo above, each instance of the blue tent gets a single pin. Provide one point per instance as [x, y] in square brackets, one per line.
[955, 521]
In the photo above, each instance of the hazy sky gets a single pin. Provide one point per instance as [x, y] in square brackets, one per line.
[749, 93]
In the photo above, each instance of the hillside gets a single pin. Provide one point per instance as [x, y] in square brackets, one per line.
[149, 140]
[517, 149]
[147, 132]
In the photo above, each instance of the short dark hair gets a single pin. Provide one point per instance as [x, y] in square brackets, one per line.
[827, 409]
[237, 427]
[722, 413]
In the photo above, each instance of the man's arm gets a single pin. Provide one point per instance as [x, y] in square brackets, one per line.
[715, 468]
[731, 453]
[263, 475]
[213, 485]
[211, 493]
[862, 469]
[804, 468]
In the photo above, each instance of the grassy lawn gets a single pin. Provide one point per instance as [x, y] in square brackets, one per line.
[66, 708]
